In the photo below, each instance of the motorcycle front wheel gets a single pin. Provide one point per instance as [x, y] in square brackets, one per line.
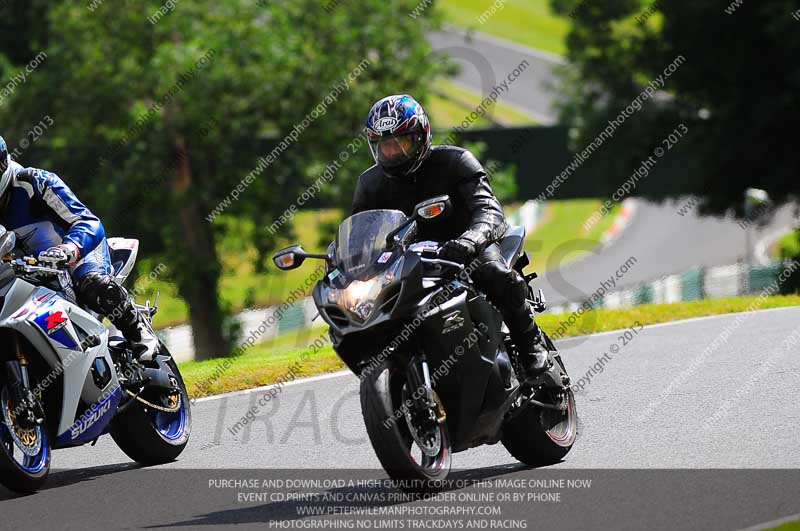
[24, 451]
[417, 456]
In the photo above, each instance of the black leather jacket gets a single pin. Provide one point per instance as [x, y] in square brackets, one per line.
[477, 214]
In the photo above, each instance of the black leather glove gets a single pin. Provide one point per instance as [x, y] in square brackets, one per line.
[459, 250]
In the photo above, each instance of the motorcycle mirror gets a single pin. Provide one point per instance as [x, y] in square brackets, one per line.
[433, 208]
[289, 258]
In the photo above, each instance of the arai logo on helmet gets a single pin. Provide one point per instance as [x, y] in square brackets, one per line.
[386, 123]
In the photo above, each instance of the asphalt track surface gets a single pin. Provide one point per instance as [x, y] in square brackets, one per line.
[486, 62]
[716, 394]
[661, 241]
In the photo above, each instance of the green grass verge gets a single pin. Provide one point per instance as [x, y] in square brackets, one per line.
[453, 103]
[603, 319]
[788, 526]
[560, 236]
[263, 364]
[528, 22]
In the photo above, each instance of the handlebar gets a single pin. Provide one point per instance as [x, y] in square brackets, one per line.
[29, 265]
[431, 256]
[440, 261]
[30, 269]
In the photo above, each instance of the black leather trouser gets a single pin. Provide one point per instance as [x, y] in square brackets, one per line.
[507, 290]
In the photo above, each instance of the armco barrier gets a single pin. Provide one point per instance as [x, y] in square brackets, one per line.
[695, 284]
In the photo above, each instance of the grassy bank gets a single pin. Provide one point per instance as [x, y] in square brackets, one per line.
[788, 526]
[603, 319]
[531, 22]
[263, 364]
[560, 237]
[452, 103]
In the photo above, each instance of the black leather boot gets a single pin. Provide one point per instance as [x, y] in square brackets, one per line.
[104, 295]
[532, 351]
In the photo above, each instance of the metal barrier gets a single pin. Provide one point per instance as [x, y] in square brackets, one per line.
[695, 284]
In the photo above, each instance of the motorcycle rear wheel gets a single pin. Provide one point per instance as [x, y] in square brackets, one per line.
[152, 437]
[539, 437]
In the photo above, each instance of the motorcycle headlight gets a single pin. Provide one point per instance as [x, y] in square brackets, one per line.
[360, 295]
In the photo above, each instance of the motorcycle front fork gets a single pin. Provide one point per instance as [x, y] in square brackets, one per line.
[28, 408]
[419, 383]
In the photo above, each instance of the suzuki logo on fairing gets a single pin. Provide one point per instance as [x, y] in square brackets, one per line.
[84, 424]
[55, 322]
[452, 321]
[386, 123]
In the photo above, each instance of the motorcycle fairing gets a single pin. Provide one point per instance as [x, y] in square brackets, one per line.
[39, 310]
[55, 323]
[476, 387]
[93, 423]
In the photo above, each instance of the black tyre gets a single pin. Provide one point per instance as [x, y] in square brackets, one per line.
[153, 437]
[415, 467]
[538, 437]
[24, 453]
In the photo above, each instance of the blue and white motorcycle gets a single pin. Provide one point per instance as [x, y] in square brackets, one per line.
[67, 378]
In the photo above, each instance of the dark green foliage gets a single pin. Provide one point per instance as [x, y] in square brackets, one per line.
[155, 124]
[738, 90]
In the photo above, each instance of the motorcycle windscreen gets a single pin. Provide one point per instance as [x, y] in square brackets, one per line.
[361, 241]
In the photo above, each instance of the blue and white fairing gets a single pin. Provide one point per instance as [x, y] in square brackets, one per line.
[58, 330]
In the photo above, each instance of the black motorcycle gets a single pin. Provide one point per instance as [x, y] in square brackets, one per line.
[431, 352]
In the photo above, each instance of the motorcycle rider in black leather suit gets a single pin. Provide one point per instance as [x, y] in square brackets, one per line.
[408, 170]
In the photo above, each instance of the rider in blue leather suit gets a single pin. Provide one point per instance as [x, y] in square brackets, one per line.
[51, 222]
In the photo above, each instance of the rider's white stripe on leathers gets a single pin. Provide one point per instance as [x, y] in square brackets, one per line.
[25, 186]
[58, 204]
